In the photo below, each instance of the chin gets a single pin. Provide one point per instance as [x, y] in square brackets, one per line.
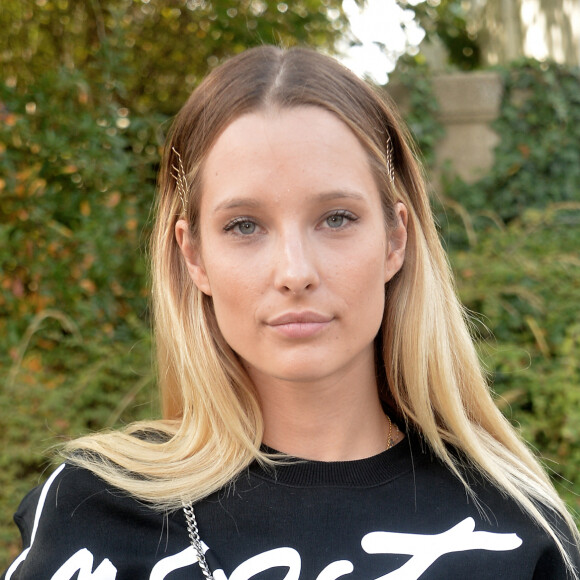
[303, 371]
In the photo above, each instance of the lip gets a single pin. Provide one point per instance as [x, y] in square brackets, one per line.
[299, 324]
[304, 317]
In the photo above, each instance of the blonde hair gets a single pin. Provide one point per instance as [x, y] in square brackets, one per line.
[212, 424]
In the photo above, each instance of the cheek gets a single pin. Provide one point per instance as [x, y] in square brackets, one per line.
[365, 270]
[236, 292]
[359, 282]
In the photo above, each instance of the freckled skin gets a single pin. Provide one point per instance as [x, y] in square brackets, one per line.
[291, 223]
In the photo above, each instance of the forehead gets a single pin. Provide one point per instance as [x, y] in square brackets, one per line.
[276, 151]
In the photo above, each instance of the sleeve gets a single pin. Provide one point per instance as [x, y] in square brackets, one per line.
[50, 543]
[27, 518]
[77, 526]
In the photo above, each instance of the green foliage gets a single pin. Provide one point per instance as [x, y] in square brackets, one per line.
[524, 280]
[76, 182]
[537, 161]
[447, 20]
[74, 194]
[61, 384]
[152, 53]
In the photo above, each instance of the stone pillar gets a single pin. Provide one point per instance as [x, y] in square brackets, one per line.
[468, 103]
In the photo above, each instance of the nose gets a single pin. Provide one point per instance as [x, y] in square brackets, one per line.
[295, 264]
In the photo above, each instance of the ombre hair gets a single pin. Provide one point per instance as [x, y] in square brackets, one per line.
[212, 424]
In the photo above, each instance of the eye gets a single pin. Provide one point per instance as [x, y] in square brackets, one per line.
[335, 221]
[339, 218]
[246, 227]
[242, 226]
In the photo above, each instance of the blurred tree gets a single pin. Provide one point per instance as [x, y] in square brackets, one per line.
[449, 23]
[476, 33]
[151, 53]
[540, 29]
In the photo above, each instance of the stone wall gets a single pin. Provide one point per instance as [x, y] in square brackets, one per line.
[468, 103]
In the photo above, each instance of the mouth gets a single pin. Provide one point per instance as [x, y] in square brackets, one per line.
[299, 324]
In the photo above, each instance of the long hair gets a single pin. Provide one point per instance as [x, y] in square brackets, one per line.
[212, 426]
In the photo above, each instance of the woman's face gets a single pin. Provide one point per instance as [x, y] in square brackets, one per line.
[293, 248]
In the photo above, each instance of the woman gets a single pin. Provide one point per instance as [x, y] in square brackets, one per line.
[325, 413]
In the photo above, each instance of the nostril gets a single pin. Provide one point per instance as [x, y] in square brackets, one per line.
[297, 289]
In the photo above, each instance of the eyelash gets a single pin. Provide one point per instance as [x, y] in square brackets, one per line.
[238, 221]
[343, 213]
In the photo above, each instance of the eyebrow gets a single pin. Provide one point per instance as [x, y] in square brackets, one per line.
[252, 203]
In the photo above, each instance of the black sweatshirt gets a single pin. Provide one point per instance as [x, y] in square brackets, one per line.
[400, 515]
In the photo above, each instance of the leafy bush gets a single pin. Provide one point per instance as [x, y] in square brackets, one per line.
[152, 53]
[77, 181]
[537, 161]
[73, 197]
[62, 384]
[523, 280]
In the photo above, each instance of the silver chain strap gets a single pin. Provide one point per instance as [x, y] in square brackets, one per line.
[193, 532]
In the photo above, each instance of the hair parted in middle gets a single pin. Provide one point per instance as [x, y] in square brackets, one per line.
[431, 369]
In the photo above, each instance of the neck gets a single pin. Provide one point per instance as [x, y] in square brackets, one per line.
[325, 420]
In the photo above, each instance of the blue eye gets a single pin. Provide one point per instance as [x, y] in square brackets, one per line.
[335, 221]
[339, 219]
[242, 226]
[246, 227]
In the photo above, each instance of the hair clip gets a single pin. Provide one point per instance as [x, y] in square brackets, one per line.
[390, 161]
[178, 173]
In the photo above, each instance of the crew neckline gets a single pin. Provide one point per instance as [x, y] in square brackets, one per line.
[368, 472]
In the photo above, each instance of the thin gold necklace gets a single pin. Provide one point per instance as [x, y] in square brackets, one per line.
[390, 440]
